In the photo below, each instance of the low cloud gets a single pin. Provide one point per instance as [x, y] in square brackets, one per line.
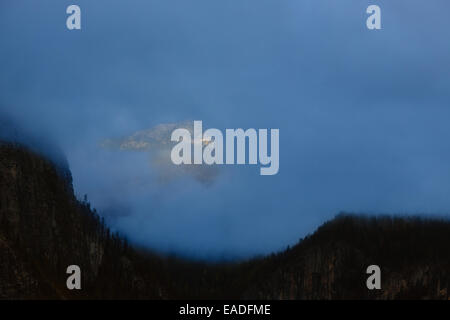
[156, 141]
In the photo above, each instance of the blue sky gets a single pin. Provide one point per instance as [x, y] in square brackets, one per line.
[363, 115]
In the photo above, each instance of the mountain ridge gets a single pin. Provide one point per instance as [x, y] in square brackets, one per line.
[44, 229]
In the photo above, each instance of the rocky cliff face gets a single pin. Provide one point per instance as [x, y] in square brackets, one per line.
[44, 229]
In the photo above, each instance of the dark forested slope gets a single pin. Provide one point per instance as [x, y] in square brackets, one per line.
[44, 229]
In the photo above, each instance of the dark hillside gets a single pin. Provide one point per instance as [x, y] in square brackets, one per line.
[44, 229]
